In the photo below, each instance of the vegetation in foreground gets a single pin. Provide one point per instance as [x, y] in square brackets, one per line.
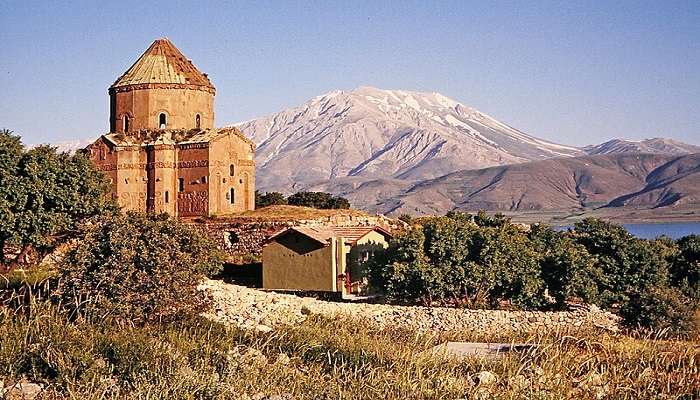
[326, 359]
[488, 262]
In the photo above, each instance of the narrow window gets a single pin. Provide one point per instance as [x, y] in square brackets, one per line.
[181, 184]
[231, 170]
[198, 122]
[126, 123]
[167, 197]
[204, 179]
[232, 194]
[162, 121]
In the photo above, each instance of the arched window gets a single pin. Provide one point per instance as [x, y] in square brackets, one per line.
[126, 123]
[198, 122]
[204, 179]
[231, 170]
[232, 195]
[162, 121]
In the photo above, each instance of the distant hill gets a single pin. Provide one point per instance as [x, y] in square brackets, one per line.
[655, 145]
[674, 184]
[576, 183]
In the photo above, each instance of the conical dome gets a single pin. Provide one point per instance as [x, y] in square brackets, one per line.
[163, 63]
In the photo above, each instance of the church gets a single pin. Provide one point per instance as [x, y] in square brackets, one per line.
[162, 152]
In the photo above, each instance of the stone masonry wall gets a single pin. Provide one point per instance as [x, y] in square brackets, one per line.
[245, 238]
[257, 309]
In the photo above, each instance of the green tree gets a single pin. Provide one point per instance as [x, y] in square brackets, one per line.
[137, 268]
[450, 260]
[47, 195]
[685, 272]
[404, 273]
[660, 308]
[450, 247]
[269, 199]
[512, 262]
[11, 151]
[498, 220]
[407, 218]
[628, 264]
[567, 268]
[321, 200]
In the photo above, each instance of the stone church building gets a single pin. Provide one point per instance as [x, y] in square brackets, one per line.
[162, 152]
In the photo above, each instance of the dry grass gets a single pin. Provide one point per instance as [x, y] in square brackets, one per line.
[328, 359]
[287, 213]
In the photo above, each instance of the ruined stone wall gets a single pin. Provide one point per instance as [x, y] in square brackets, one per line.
[232, 302]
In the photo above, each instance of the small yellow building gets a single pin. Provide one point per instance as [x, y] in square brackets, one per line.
[321, 258]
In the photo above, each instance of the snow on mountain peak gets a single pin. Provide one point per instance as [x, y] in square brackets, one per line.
[378, 133]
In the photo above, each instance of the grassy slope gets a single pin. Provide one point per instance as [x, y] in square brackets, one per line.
[287, 213]
[328, 359]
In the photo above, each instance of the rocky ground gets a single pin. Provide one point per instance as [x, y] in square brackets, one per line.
[263, 310]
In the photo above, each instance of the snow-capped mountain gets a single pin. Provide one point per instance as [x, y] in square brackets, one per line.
[69, 146]
[374, 133]
[655, 145]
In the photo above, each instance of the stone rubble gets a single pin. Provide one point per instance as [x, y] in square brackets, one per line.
[261, 311]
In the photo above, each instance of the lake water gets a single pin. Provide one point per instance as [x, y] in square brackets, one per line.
[673, 230]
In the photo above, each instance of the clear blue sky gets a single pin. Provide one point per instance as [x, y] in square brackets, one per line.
[575, 72]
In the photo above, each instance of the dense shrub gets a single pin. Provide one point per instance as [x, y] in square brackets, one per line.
[269, 199]
[450, 260]
[44, 195]
[685, 271]
[568, 270]
[480, 260]
[319, 200]
[509, 258]
[627, 264]
[659, 308]
[404, 273]
[137, 268]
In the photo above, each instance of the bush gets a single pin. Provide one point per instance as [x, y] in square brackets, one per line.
[627, 264]
[137, 268]
[319, 200]
[44, 196]
[685, 272]
[568, 270]
[269, 199]
[403, 272]
[660, 308]
[448, 259]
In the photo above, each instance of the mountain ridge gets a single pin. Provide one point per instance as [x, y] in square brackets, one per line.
[385, 134]
[572, 184]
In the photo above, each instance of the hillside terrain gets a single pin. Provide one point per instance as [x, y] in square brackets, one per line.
[576, 183]
[395, 151]
[384, 134]
[655, 145]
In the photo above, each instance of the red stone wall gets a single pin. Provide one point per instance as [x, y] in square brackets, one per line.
[193, 162]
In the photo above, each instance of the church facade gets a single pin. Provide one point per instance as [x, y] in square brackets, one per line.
[162, 153]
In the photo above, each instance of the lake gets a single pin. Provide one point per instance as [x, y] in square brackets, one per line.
[673, 230]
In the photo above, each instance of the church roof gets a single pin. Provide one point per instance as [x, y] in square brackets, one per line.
[323, 233]
[163, 63]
